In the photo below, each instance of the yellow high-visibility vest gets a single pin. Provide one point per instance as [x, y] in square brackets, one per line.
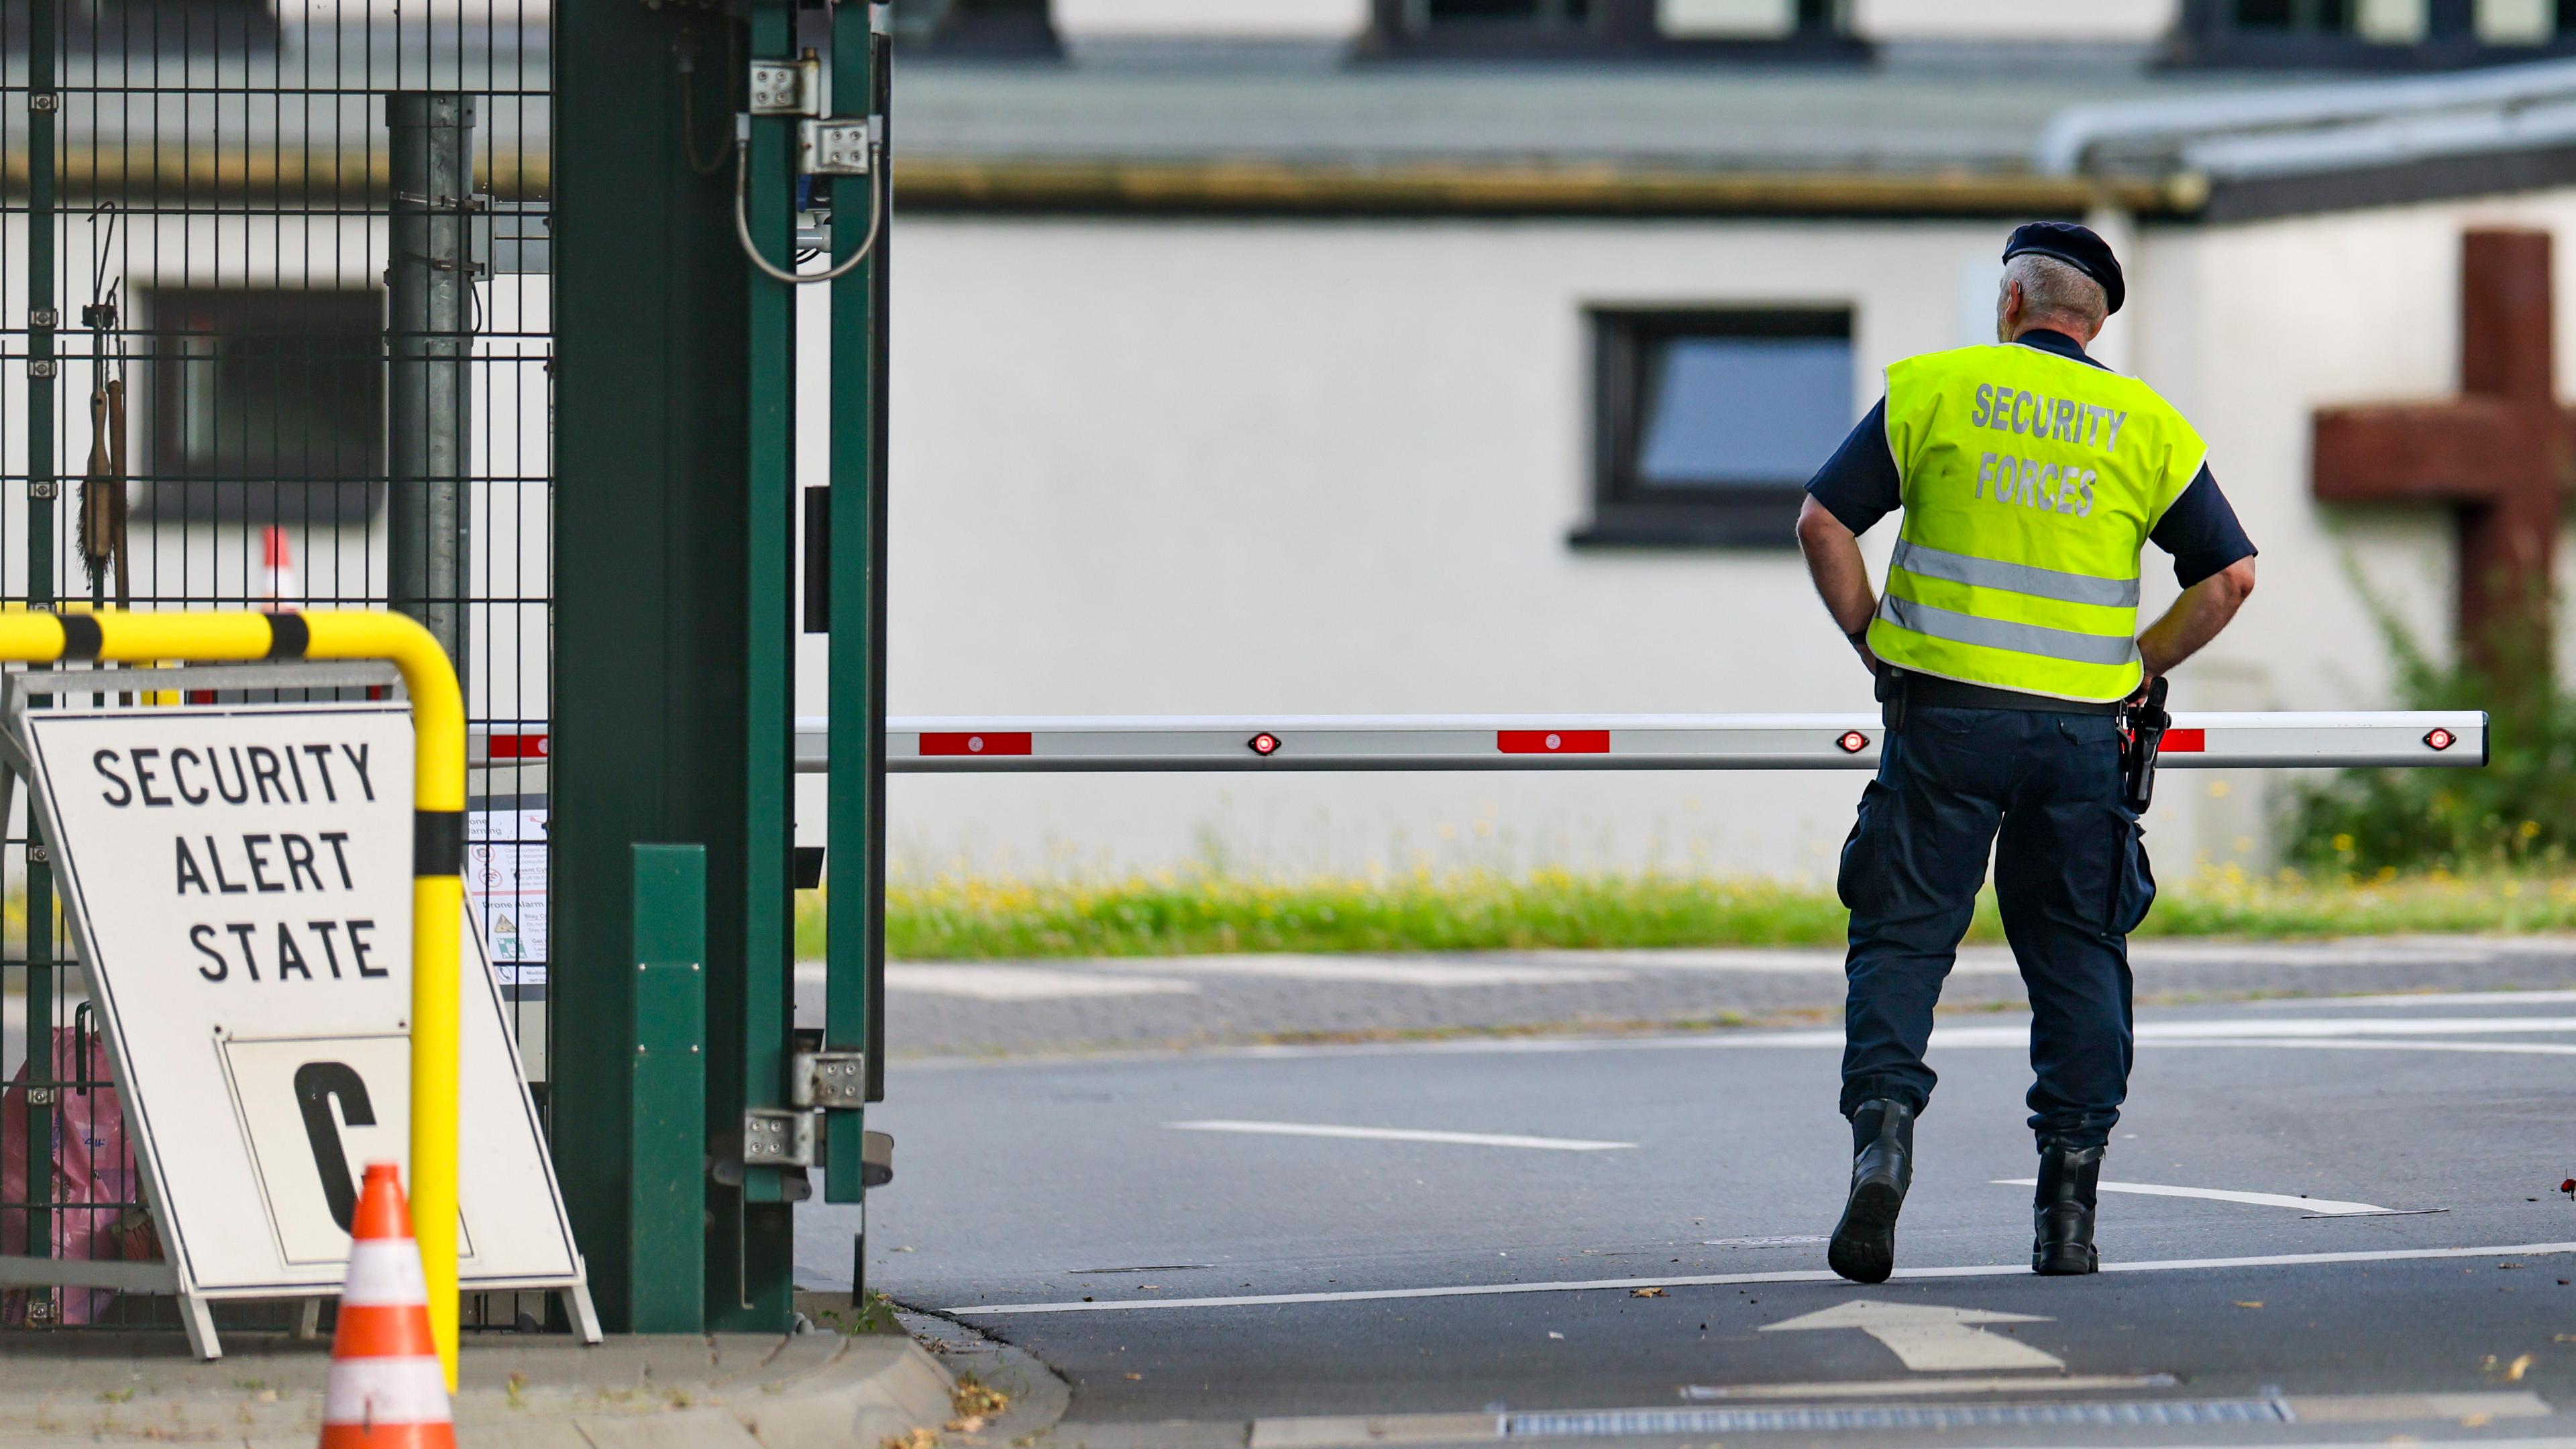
[2031, 481]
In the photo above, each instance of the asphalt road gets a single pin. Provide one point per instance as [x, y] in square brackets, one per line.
[1193, 1282]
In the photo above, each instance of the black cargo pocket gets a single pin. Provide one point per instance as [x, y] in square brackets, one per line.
[2133, 885]
[1863, 869]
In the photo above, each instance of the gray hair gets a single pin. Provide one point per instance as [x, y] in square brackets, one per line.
[2051, 288]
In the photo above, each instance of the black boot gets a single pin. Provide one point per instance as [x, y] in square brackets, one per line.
[1864, 1245]
[2062, 1210]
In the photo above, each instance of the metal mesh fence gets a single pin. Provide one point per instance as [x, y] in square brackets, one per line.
[275, 334]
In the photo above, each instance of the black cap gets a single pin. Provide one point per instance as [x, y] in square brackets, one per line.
[2077, 246]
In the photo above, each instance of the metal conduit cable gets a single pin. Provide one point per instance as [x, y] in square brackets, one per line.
[742, 217]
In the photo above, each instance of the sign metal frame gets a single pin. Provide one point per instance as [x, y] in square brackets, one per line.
[273, 644]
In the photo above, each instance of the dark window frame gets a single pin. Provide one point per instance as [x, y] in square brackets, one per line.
[2209, 34]
[1610, 29]
[325, 344]
[1627, 512]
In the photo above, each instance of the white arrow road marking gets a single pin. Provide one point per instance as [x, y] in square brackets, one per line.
[1401, 1134]
[1930, 1338]
[2322, 1206]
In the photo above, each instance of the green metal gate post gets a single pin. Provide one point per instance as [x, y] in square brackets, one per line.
[652, 622]
[758, 1261]
[857, 520]
[669, 1139]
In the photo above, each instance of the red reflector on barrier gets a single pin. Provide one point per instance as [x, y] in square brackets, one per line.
[1853, 742]
[970, 744]
[2185, 742]
[518, 747]
[1552, 742]
[2441, 739]
[1264, 743]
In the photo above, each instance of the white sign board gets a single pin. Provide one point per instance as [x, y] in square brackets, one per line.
[240, 878]
[505, 878]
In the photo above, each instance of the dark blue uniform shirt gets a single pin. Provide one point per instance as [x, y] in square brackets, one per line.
[1859, 485]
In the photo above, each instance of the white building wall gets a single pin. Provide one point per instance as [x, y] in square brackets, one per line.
[1235, 467]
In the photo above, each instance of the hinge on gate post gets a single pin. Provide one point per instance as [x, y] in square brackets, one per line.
[36, 853]
[40, 367]
[44, 488]
[777, 1137]
[45, 317]
[828, 1079]
[44, 102]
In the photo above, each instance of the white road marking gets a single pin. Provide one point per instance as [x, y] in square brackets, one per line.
[1025, 983]
[2347, 1026]
[1373, 970]
[2324, 1207]
[1401, 1134]
[1881, 1388]
[2506, 996]
[1729, 1280]
[2329, 1044]
[1365, 1432]
[2272, 1033]
[1929, 1337]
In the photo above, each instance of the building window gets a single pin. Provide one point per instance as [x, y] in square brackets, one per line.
[1707, 425]
[1592, 29]
[267, 404]
[2372, 34]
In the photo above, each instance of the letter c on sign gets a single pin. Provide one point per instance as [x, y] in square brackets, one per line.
[316, 1083]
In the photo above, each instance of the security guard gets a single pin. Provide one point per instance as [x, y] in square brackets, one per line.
[2032, 478]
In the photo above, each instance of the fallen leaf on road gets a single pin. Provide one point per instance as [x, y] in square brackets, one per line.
[1645, 1292]
[2507, 1267]
[974, 1399]
[1552, 1333]
[1138, 1378]
[2513, 1373]
[971, 1424]
[2476, 1421]
[2249, 1302]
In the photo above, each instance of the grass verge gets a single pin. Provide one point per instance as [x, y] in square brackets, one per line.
[1188, 915]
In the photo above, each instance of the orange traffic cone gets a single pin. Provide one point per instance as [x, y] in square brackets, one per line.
[387, 1389]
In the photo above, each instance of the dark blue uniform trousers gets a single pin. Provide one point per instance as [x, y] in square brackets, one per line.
[2042, 791]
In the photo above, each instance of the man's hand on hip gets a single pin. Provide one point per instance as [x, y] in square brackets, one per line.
[1841, 578]
[2195, 618]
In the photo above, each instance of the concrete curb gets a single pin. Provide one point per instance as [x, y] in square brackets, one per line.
[727, 1392]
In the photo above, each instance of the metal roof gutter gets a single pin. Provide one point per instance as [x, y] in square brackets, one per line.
[1273, 188]
[2304, 130]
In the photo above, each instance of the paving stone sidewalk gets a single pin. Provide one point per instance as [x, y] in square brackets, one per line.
[530, 1391]
[1008, 1008]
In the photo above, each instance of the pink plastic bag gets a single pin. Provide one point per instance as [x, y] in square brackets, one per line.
[96, 1204]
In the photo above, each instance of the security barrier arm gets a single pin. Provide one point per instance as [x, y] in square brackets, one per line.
[2453, 739]
[438, 845]
[2446, 738]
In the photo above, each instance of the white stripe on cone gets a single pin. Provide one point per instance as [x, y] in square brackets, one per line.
[385, 1273]
[386, 1391]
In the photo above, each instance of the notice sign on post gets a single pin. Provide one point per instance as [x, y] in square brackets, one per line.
[240, 881]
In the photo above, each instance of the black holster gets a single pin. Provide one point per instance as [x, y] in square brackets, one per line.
[2142, 724]
[1891, 696]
